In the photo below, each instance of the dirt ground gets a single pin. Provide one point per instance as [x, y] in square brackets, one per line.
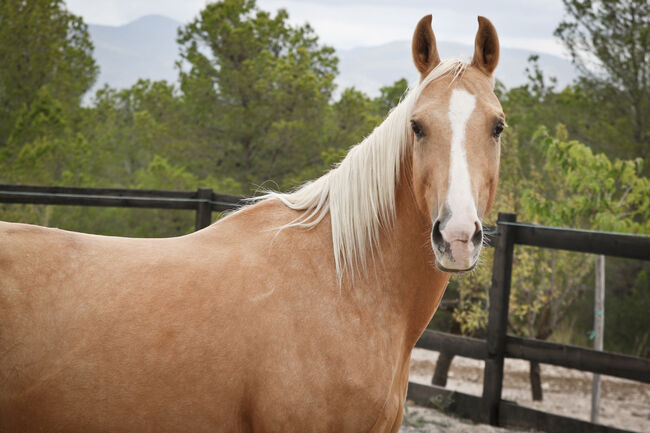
[624, 404]
[423, 420]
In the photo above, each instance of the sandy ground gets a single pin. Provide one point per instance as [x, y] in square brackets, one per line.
[624, 404]
[423, 420]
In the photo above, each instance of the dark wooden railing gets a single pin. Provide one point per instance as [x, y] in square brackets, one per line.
[489, 408]
[203, 200]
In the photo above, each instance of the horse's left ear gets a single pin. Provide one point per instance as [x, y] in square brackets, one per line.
[486, 47]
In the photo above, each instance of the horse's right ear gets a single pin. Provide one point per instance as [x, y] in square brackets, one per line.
[425, 51]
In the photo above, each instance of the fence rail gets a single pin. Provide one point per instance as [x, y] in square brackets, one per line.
[585, 241]
[579, 358]
[474, 348]
[203, 200]
[493, 350]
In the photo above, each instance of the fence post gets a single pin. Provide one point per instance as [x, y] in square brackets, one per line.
[204, 208]
[599, 331]
[498, 320]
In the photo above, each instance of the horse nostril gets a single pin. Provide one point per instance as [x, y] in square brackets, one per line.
[436, 236]
[477, 238]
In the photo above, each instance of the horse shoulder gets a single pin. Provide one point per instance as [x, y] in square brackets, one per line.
[305, 329]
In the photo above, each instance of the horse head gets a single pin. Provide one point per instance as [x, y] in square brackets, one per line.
[456, 124]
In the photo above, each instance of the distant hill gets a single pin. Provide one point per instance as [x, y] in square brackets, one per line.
[146, 48]
[369, 68]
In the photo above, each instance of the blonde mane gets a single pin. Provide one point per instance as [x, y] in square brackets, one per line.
[359, 193]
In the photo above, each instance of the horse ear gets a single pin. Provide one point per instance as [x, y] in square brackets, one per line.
[486, 47]
[425, 51]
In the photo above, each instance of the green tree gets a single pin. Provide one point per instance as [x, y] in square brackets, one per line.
[128, 127]
[41, 44]
[354, 118]
[628, 313]
[141, 138]
[590, 190]
[46, 150]
[609, 42]
[390, 96]
[258, 88]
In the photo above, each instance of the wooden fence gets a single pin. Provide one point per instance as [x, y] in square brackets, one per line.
[489, 408]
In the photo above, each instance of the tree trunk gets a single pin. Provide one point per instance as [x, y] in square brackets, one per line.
[442, 369]
[536, 381]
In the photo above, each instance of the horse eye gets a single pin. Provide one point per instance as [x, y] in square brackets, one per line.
[498, 129]
[416, 129]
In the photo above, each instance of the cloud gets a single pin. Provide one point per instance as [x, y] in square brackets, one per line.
[346, 24]
[350, 23]
[119, 12]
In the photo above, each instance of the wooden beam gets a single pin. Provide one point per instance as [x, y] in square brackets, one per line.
[580, 358]
[97, 200]
[225, 202]
[204, 208]
[126, 192]
[444, 342]
[115, 197]
[510, 413]
[586, 241]
[599, 331]
[497, 319]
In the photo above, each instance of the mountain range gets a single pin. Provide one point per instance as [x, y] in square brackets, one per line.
[146, 48]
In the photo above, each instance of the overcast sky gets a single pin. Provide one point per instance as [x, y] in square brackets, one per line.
[349, 23]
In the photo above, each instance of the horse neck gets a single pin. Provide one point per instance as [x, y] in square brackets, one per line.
[408, 271]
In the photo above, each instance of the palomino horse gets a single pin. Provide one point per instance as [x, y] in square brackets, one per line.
[295, 314]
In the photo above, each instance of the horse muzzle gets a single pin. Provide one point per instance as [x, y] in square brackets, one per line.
[456, 245]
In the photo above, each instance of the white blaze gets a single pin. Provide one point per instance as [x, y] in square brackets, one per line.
[459, 195]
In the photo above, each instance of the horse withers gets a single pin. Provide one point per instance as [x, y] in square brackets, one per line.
[295, 314]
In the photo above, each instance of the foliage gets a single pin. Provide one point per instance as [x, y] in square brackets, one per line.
[41, 44]
[628, 311]
[609, 42]
[354, 118]
[44, 148]
[390, 96]
[259, 86]
[587, 190]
